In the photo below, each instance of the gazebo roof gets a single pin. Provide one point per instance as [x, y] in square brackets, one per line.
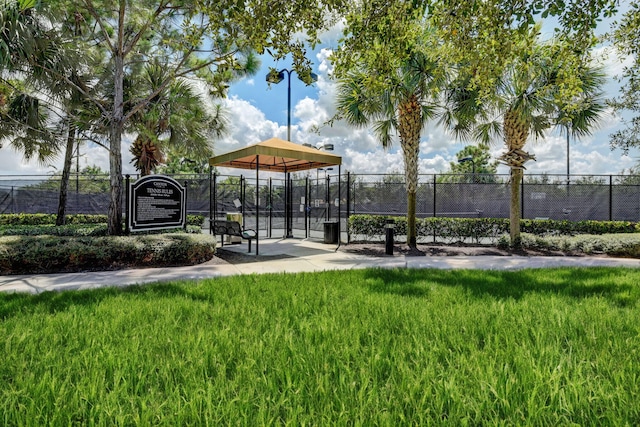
[276, 155]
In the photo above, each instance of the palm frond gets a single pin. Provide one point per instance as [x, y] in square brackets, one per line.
[383, 130]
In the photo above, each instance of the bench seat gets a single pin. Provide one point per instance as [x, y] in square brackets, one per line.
[232, 228]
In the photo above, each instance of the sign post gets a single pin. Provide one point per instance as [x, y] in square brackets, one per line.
[156, 202]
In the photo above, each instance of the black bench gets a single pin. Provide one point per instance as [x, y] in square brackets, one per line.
[232, 228]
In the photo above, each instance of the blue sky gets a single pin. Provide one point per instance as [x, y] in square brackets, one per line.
[258, 112]
[362, 153]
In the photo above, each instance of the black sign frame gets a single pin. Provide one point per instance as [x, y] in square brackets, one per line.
[156, 202]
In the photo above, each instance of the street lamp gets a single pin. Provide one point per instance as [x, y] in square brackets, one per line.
[327, 146]
[276, 77]
[473, 166]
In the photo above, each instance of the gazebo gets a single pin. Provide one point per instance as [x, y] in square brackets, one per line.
[277, 155]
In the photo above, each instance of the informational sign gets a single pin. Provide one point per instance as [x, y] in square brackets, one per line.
[156, 202]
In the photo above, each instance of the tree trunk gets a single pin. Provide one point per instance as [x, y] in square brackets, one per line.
[514, 211]
[410, 126]
[116, 127]
[66, 171]
[114, 226]
[411, 220]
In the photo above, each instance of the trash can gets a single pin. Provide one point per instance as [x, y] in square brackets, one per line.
[331, 232]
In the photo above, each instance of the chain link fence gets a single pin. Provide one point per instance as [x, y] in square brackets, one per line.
[300, 206]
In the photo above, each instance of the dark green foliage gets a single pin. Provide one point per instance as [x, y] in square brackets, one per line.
[41, 219]
[371, 227]
[52, 230]
[47, 254]
[617, 245]
[31, 243]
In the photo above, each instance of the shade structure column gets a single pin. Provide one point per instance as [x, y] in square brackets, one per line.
[288, 211]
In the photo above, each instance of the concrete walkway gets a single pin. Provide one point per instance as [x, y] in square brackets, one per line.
[290, 256]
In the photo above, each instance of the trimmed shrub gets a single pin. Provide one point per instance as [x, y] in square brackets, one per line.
[43, 219]
[451, 230]
[48, 254]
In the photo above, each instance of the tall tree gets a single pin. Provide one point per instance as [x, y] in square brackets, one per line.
[586, 108]
[24, 117]
[203, 38]
[178, 117]
[39, 117]
[528, 99]
[626, 39]
[479, 37]
[403, 106]
[474, 161]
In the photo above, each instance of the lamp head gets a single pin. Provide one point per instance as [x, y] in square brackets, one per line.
[308, 77]
[275, 76]
[465, 159]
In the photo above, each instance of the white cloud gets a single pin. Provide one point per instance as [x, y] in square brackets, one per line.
[13, 162]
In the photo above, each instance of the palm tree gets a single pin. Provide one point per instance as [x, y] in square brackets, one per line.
[582, 116]
[178, 117]
[404, 106]
[527, 101]
[24, 116]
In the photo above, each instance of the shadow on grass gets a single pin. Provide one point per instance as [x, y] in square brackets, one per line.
[53, 302]
[618, 285]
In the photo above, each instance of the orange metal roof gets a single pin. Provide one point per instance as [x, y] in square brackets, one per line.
[276, 155]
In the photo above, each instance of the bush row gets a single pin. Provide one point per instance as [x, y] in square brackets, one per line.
[48, 254]
[626, 245]
[50, 219]
[78, 230]
[371, 227]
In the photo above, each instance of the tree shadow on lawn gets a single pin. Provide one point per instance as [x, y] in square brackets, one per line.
[54, 301]
[617, 285]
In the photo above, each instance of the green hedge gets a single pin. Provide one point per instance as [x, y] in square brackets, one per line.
[371, 227]
[44, 219]
[619, 245]
[48, 254]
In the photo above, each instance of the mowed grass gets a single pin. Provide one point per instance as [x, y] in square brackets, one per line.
[365, 347]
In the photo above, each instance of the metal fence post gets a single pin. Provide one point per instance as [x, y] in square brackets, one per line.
[328, 203]
[522, 197]
[270, 207]
[127, 208]
[348, 205]
[186, 199]
[610, 198]
[306, 207]
[434, 204]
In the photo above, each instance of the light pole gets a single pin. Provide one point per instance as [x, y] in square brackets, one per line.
[276, 77]
[473, 166]
[473, 176]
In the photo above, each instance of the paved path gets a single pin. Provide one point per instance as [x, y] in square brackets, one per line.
[291, 255]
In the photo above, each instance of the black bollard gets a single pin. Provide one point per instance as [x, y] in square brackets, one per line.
[388, 241]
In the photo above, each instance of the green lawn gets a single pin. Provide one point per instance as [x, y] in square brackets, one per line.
[365, 347]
